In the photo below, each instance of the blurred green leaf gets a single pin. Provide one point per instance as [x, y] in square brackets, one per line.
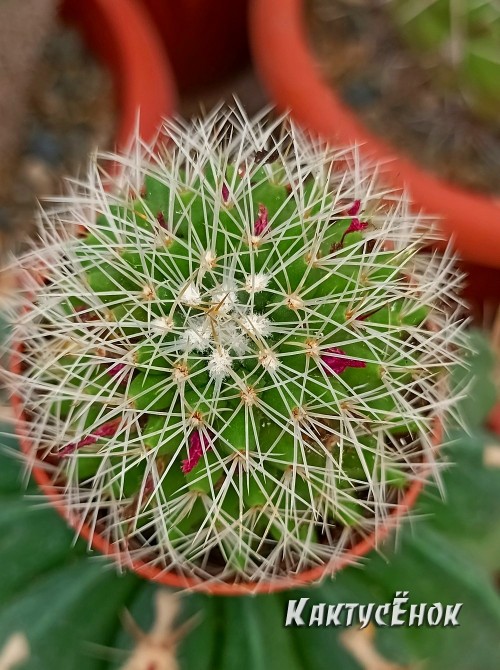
[65, 610]
[254, 636]
[50, 590]
[476, 380]
[469, 517]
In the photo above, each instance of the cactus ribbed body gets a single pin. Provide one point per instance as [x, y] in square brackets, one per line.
[241, 358]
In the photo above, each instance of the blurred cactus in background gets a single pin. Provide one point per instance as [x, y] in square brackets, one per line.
[236, 360]
[460, 41]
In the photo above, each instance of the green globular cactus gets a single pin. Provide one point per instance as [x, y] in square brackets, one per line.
[236, 357]
[461, 39]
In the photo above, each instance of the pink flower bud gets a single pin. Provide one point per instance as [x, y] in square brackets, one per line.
[115, 370]
[160, 217]
[225, 193]
[354, 226]
[106, 430]
[262, 221]
[199, 443]
[85, 314]
[354, 208]
[335, 361]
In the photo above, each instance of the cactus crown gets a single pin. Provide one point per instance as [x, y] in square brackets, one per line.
[463, 39]
[235, 359]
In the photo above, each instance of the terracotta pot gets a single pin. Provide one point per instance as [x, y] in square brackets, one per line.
[122, 35]
[172, 579]
[288, 69]
[206, 40]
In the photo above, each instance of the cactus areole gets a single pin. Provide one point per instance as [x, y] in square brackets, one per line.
[235, 379]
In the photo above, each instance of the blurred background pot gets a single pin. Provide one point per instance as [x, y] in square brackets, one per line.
[206, 40]
[293, 79]
[123, 36]
[76, 77]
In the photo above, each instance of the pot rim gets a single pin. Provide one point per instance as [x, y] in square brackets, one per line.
[172, 579]
[293, 78]
[141, 73]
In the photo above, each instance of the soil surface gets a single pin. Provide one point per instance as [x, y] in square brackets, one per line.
[363, 57]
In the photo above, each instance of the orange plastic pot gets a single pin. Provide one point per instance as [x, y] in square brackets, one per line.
[293, 78]
[122, 36]
[176, 580]
[206, 40]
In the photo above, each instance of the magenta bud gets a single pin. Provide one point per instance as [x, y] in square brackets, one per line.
[335, 361]
[262, 221]
[355, 226]
[67, 449]
[363, 317]
[149, 486]
[115, 371]
[354, 208]
[225, 193]
[85, 314]
[106, 430]
[161, 220]
[199, 443]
